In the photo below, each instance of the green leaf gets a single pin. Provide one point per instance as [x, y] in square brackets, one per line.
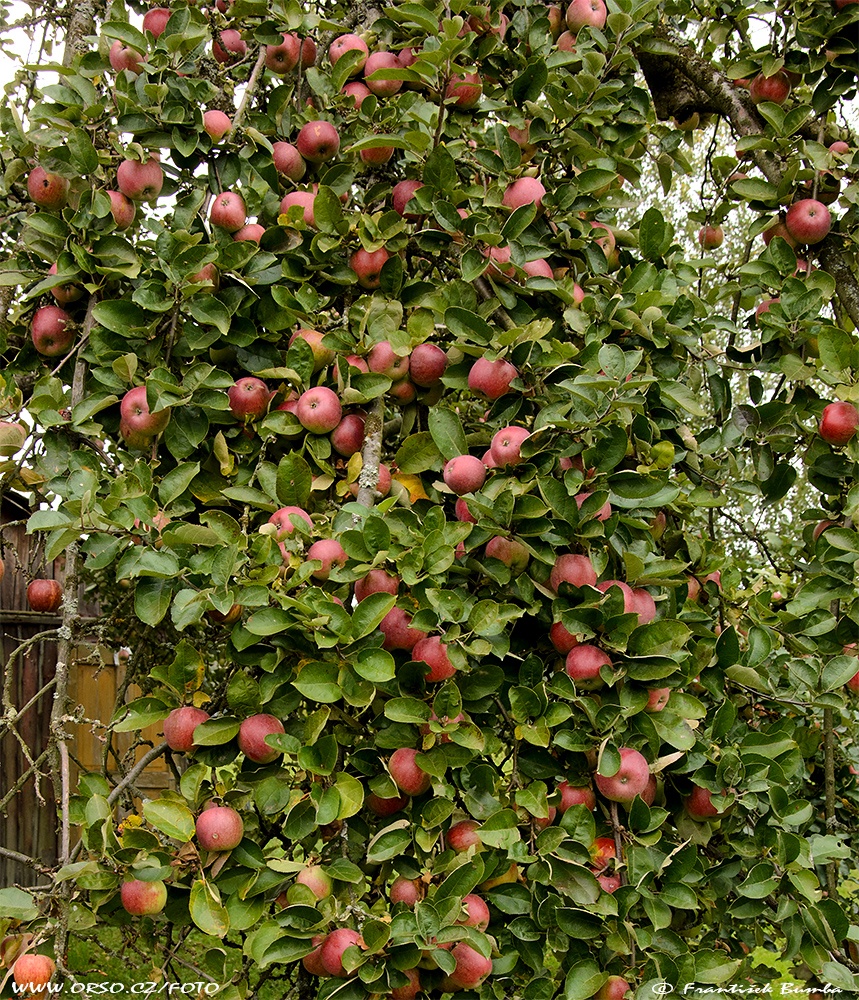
[152, 599]
[369, 613]
[319, 682]
[82, 152]
[294, 480]
[207, 911]
[419, 453]
[171, 817]
[583, 980]
[447, 433]
[654, 235]
[17, 904]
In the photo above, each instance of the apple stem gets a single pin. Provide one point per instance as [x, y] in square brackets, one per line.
[249, 89]
[371, 454]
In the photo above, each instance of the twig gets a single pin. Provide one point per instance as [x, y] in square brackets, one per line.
[485, 293]
[24, 859]
[23, 779]
[618, 842]
[249, 89]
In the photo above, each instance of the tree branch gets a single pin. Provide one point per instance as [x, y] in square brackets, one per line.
[371, 453]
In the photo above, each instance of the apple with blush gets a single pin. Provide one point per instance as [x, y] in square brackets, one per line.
[491, 379]
[252, 734]
[45, 596]
[408, 775]
[838, 423]
[141, 898]
[52, 331]
[219, 828]
[628, 781]
[179, 727]
[140, 180]
[47, 190]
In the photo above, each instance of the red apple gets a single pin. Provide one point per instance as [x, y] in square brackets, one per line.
[576, 795]
[283, 520]
[228, 211]
[319, 410]
[318, 141]
[562, 639]
[377, 155]
[407, 773]
[396, 626]
[134, 412]
[643, 605]
[464, 474]
[406, 890]
[384, 360]
[377, 581]
[630, 780]
[143, 898]
[476, 912]
[614, 988]
[140, 181]
[628, 600]
[463, 835]
[348, 43]
[710, 237]
[252, 734]
[66, 293]
[33, 971]
[700, 806]
[464, 90]
[252, 232]
[602, 851]
[52, 331]
[347, 438]
[179, 727]
[122, 208]
[331, 952]
[657, 699]
[367, 265]
[433, 652]
[427, 364]
[288, 161]
[330, 553]
[471, 969]
[122, 57]
[229, 47]
[358, 91]
[47, 190]
[583, 665]
[316, 880]
[401, 195]
[576, 570]
[307, 201]
[283, 58]
[509, 551]
[219, 828]
[524, 191]
[308, 53]
[603, 514]
[45, 596]
[249, 398]
[838, 423]
[378, 62]
[413, 988]
[778, 229]
[586, 12]
[808, 220]
[775, 88]
[506, 445]
[216, 124]
[385, 807]
[491, 379]
[155, 20]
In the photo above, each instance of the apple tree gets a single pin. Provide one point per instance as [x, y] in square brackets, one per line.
[480, 539]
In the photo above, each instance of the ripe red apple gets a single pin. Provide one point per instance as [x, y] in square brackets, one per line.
[840, 147]
[471, 968]
[66, 293]
[283, 58]
[208, 277]
[47, 190]
[401, 195]
[384, 360]
[583, 665]
[427, 364]
[509, 551]
[35, 970]
[378, 62]
[808, 220]
[643, 605]
[312, 962]
[377, 581]
[464, 474]
[179, 727]
[347, 438]
[252, 734]
[140, 181]
[464, 834]
[308, 52]
[506, 445]
[219, 828]
[820, 527]
[406, 890]
[657, 699]
[576, 570]
[52, 331]
[318, 141]
[143, 898]
[491, 379]
[566, 42]
[377, 155]
[249, 398]
[396, 626]
[45, 596]
[358, 91]
[385, 807]
[330, 553]
[524, 191]
[122, 208]
[476, 912]
[216, 124]
[331, 953]
[228, 211]
[586, 12]
[283, 520]
[538, 269]
[413, 988]
[614, 988]
[134, 411]
[407, 773]
[838, 423]
[252, 232]
[602, 851]
[317, 881]
[576, 795]
[367, 265]
[775, 88]
[628, 600]
[603, 514]
[700, 806]
[630, 780]
[778, 229]
[229, 47]
[433, 652]
[348, 43]
[464, 90]
[122, 57]
[155, 20]
[288, 161]
[307, 201]
[319, 410]
[711, 237]
[562, 639]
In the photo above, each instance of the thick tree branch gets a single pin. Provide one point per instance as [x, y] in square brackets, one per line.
[371, 453]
